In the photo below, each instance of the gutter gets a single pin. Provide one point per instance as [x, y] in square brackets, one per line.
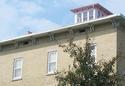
[64, 28]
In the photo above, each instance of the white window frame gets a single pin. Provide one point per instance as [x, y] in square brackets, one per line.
[95, 51]
[92, 15]
[84, 16]
[75, 18]
[14, 68]
[79, 18]
[52, 72]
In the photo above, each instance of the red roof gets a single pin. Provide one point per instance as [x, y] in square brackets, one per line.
[97, 6]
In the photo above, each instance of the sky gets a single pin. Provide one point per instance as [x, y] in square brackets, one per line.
[19, 16]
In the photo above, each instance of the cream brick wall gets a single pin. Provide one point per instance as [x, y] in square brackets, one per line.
[35, 57]
[121, 50]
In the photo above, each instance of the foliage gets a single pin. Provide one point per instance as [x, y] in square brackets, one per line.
[85, 71]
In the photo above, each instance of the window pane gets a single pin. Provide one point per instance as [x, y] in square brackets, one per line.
[84, 16]
[18, 63]
[93, 51]
[90, 14]
[52, 67]
[17, 73]
[99, 14]
[52, 57]
[79, 18]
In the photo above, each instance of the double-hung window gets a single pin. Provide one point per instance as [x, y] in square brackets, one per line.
[98, 14]
[52, 62]
[91, 15]
[79, 17]
[84, 16]
[93, 51]
[17, 68]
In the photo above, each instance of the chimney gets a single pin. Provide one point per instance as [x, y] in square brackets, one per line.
[29, 32]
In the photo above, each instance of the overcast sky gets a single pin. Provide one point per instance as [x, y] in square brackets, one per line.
[19, 16]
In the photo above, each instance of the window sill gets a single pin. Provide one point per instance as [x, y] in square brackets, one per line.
[16, 79]
[50, 74]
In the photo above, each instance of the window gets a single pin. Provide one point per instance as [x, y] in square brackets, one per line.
[85, 16]
[52, 62]
[79, 18]
[90, 14]
[99, 14]
[17, 69]
[93, 51]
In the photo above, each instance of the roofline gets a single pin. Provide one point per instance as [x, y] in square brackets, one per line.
[95, 5]
[61, 28]
[104, 9]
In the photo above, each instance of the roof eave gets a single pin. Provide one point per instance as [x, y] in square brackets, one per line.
[65, 28]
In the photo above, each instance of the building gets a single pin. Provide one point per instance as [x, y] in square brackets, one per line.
[90, 12]
[31, 60]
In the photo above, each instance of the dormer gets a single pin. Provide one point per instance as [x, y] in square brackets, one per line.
[90, 12]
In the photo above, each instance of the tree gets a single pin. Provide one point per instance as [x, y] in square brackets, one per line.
[85, 71]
